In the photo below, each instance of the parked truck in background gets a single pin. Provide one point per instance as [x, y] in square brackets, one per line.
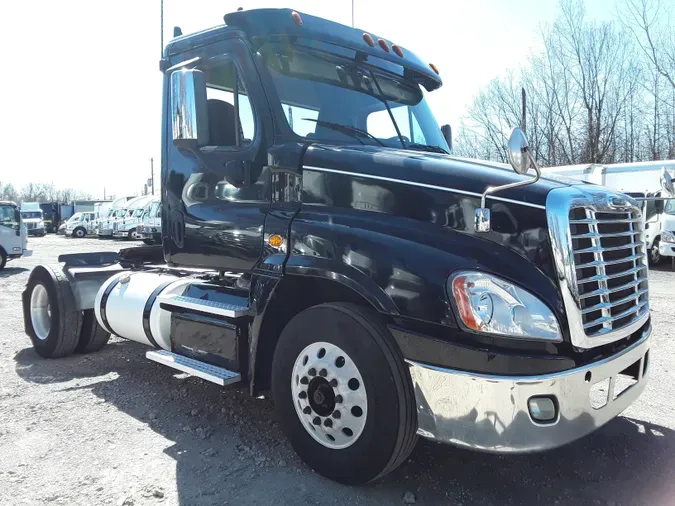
[104, 227]
[80, 225]
[13, 233]
[52, 216]
[32, 217]
[125, 227]
[150, 228]
[380, 287]
[642, 181]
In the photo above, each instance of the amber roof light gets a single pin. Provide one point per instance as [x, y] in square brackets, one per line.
[383, 44]
[397, 49]
[369, 39]
[296, 18]
[434, 68]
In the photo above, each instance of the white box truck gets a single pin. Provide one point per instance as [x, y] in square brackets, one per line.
[13, 234]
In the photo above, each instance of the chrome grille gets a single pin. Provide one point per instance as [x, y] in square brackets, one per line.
[599, 250]
[30, 225]
[611, 274]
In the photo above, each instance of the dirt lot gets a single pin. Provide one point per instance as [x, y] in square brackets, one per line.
[114, 428]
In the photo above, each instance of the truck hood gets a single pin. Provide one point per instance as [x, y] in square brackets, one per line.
[464, 175]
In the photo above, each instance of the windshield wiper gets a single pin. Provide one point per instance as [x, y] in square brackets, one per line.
[426, 147]
[357, 133]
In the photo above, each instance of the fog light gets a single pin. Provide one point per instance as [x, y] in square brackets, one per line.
[542, 409]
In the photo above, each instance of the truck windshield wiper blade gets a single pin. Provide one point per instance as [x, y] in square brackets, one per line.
[426, 147]
[347, 130]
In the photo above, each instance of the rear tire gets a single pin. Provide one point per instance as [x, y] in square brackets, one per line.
[149, 242]
[51, 319]
[93, 337]
[386, 400]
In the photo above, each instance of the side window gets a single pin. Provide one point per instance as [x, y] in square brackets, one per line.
[8, 217]
[225, 93]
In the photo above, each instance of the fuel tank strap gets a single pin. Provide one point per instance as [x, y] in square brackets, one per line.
[104, 300]
[148, 308]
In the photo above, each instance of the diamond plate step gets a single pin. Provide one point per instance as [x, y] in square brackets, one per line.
[206, 306]
[209, 372]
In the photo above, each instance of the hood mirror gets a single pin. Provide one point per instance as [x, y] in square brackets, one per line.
[518, 151]
[520, 157]
[667, 182]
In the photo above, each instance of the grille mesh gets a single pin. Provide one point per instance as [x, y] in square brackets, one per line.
[609, 262]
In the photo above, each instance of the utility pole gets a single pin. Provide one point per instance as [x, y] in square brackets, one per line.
[152, 176]
[161, 28]
[352, 13]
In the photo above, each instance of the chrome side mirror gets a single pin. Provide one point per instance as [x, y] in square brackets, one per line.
[520, 157]
[189, 115]
[667, 182]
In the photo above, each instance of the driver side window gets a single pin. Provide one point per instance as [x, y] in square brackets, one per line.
[225, 94]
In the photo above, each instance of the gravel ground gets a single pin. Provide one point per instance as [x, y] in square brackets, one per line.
[114, 428]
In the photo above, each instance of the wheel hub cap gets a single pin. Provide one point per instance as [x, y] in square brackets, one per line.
[329, 395]
[40, 312]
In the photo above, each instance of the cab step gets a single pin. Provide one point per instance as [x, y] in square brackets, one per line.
[234, 309]
[212, 373]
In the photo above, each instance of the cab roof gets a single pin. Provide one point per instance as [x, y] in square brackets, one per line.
[280, 24]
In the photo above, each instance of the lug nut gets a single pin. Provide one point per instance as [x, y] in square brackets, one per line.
[307, 410]
[316, 421]
[312, 372]
[323, 373]
[302, 395]
[337, 414]
[304, 380]
[333, 383]
[338, 399]
[328, 422]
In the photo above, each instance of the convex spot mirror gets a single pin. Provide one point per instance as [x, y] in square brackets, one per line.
[189, 114]
[518, 151]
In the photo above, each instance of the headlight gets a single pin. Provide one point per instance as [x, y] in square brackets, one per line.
[491, 305]
[668, 237]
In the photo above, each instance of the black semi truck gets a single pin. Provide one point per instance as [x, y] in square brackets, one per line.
[319, 241]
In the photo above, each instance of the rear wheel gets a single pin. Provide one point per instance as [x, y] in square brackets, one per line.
[343, 394]
[149, 242]
[50, 317]
[93, 337]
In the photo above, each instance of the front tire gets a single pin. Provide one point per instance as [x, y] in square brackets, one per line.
[79, 233]
[654, 253]
[51, 319]
[3, 259]
[343, 394]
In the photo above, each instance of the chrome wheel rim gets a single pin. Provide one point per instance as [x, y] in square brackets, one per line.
[329, 395]
[656, 254]
[40, 312]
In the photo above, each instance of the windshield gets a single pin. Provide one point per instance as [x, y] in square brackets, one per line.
[321, 92]
[670, 207]
[9, 216]
[76, 217]
[29, 215]
[139, 212]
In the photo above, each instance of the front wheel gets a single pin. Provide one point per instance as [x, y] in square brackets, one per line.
[79, 233]
[654, 253]
[3, 259]
[343, 394]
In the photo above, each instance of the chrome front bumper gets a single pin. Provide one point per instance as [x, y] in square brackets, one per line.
[666, 249]
[490, 413]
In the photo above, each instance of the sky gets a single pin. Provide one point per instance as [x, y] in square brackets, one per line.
[81, 89]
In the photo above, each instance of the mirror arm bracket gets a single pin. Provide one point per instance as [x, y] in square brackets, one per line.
[482, 216]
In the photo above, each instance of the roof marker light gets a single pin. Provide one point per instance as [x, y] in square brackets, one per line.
[369, 39]
[397, 49]
[383, 44]
[434, 68]
[296, 18]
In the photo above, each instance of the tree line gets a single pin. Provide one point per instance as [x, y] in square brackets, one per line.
[39, 192]
[598, 92]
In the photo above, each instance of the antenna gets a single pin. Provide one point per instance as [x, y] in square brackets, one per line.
[161, 27]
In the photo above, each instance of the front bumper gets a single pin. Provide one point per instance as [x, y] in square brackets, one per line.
[667, 249]
[490, 413]
[36, 231]
[105, 232]
[120, 233]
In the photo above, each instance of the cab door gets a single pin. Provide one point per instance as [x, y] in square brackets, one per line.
[215, 218]
[10, 230]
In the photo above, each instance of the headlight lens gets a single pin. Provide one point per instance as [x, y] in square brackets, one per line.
[668, 237]
[491, 305]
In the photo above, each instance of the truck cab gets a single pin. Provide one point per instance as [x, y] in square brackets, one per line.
[13, 234]
[319, 241]
[33, 218]
[126, 225]
[150, 229]
[81, 224]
